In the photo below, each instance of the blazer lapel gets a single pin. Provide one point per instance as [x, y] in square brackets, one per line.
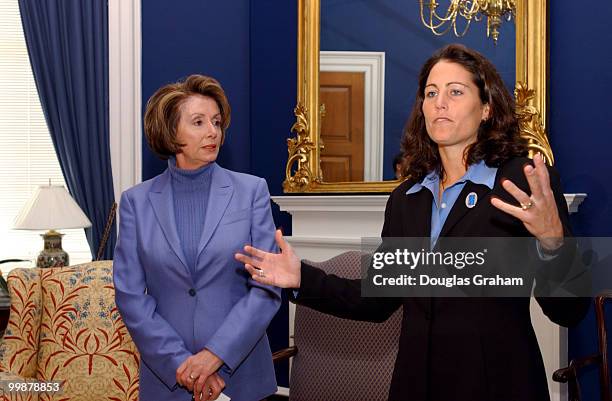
[163, 206]
[417, 224]
[460, 209]
[417, 214]
[221, 191]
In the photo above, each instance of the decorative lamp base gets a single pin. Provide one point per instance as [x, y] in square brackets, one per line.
[52, 255]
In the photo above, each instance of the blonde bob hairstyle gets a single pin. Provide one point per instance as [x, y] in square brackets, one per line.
[163, 112]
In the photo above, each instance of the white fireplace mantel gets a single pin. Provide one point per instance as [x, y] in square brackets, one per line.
[324, 226]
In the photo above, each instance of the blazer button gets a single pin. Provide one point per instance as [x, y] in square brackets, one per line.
[192, 292]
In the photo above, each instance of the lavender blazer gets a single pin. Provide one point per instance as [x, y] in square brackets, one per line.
[172, 313]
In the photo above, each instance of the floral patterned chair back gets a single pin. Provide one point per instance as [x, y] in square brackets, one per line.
[64, 327]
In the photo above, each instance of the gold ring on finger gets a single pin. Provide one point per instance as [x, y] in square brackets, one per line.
[528, 205]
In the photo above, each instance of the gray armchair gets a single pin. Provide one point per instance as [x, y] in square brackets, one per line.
[339, 359]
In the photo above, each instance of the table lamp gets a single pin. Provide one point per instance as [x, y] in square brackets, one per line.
[51, 207]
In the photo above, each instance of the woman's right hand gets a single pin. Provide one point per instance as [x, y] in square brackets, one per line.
[277, 269]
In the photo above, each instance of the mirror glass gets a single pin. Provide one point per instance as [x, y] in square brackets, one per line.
[371, 53]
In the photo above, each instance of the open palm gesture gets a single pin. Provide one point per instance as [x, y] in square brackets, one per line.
[278, 269]
[538, 211]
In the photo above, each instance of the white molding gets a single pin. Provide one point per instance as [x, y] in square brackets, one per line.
[372, 64]
[366, 203]
[125, 95]
[339, 203]
[284, 391]
[353, 216]
[327, 242]
[574, 201]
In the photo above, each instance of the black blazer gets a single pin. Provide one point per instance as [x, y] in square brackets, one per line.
[454, 349]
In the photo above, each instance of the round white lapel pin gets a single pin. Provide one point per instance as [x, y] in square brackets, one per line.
[471, 199]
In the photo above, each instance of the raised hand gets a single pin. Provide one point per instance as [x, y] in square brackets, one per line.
[278, 269]
[538, 212]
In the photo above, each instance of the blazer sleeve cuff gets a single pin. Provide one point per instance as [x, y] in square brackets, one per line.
[229, 363]
[309, 275]
[166, 370]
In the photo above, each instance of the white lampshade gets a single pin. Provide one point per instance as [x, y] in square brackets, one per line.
[51, 208]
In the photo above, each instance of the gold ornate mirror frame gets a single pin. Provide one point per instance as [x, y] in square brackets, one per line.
[303, 172]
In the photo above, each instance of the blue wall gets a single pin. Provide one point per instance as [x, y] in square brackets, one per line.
[580, 129]
[273, 96]
[394, 27]
[206, 37]
[252, 51]
[273, 88]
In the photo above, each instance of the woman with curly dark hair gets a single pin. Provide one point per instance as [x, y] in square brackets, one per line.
[497, 137]
[467, 176]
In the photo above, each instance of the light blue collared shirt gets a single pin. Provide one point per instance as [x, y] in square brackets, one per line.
[478, 173]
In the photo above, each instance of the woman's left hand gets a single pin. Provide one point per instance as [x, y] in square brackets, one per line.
[538, 212]
[194, 371]
[211, 388]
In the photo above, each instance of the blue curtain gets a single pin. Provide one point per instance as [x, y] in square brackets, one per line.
[67, 42]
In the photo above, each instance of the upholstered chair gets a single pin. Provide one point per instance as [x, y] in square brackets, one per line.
[339, 359]
[64, 326]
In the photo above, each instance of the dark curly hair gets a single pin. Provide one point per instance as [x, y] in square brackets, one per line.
[498, 137]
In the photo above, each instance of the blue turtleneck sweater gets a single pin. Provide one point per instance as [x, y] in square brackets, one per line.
[190, 189]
